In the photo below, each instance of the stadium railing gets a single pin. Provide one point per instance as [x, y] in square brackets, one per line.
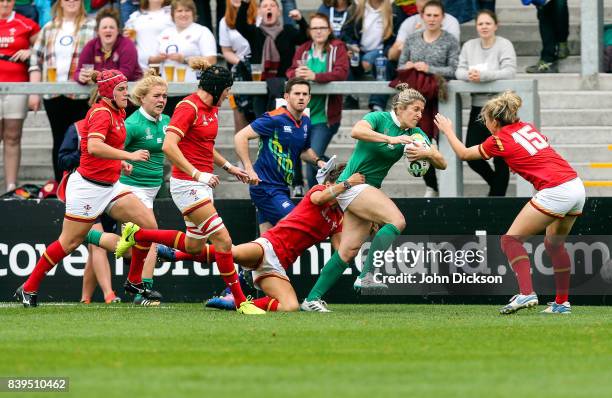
[451, 180]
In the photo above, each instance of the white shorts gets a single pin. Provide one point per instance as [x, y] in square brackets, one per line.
[13, 106]
[270, 266]
[145, 194]
[85, 201]
[190, 195]
[565, 199]
[346, 197]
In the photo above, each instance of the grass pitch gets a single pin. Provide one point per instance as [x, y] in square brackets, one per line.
[182, 350]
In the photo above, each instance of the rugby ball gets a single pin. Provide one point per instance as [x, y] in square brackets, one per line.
[417, 168]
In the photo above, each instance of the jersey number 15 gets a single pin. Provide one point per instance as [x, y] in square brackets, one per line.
[530, 139]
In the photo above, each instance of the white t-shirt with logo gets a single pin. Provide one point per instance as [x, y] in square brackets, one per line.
[148, 26]
[233, 39]
[373, 30]
[195, 40]
[64, 48]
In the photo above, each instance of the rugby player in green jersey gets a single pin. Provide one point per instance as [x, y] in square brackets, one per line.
[381, 137]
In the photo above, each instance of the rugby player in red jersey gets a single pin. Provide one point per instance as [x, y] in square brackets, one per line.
[559, 199]
[313, 220]
[189, 145]
[93, 189]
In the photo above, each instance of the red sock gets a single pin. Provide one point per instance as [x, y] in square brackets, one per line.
[170, 238]
[562, 266]
[519, 261]
[266, 303]
[207, 256]
[225, 263]
[53, 255]
[139, 254]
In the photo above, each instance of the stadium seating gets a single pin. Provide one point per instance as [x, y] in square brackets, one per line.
[578, 122]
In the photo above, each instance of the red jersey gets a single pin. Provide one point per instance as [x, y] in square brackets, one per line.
[197, 124]
[105, 122]
[306, 225]
[15, 34]
[527, 153]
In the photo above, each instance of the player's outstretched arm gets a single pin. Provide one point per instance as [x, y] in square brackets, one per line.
[319, 198]
[446, 127]
[241, 145]
[436, 159]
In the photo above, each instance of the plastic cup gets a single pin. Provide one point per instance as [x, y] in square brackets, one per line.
[169, 71]
[256, 70]
[180, 73]
[51, 73]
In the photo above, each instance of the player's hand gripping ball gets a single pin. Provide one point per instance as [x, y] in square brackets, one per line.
[417, 167]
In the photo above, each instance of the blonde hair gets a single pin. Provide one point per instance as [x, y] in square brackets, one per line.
[405, 97]
[199, 63]
[386, 11]
[143, 86]
[503, 108]
[58, 16]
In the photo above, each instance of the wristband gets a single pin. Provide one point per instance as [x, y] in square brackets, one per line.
[194, 172]
[226, 166]
[347, 185]
[317, 161]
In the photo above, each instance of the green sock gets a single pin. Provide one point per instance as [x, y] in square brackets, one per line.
[93, 237]
[329, 276]
[148, 283]
[382, 240]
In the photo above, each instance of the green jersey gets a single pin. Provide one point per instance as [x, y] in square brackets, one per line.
[318, 113]
[145, 132]
[374, 159]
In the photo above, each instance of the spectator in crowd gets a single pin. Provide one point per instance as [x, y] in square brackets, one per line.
[484, 59]
[145, 25]
[184, 40]
[338, 12]
[368, 31]
[402, 9]
[272, 47]
[415, 23]
[553, 20]
[237, 53]
[322, 59]
[109, 50]
[17, 34]
[37, 10]
[97, 268]
[127, 8]
[433, 51]
[55, 57]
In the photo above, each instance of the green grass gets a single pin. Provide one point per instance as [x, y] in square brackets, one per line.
[182, 350]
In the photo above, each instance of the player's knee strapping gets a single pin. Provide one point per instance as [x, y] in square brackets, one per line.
[208, 227]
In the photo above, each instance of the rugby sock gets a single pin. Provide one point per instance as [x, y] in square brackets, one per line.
[148, 283]
[562, 266]
[519, 261]
[382, 240]
[168, 237]
[93, 237]
[266, 303]
[207, 256]
[139, 254]
[53, 255]
[330, 274]
[225, 263]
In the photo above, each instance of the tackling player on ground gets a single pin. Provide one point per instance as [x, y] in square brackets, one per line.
[554, 208]
[381, 138]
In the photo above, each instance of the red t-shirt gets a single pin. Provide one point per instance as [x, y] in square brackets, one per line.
[197, 124]
[15, 34]
[306, 225]
[527, 152]
[105, 122]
